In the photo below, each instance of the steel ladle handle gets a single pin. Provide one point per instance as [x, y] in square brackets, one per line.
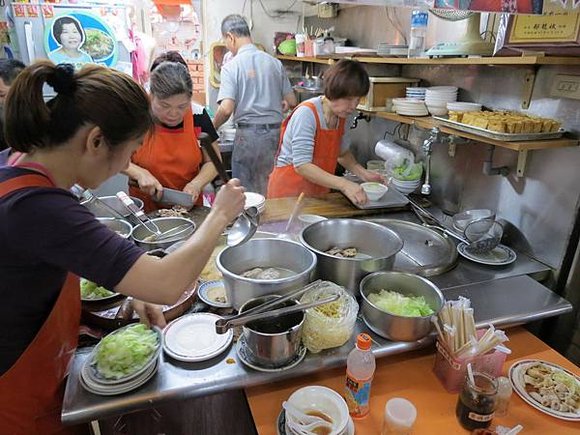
[206, 144]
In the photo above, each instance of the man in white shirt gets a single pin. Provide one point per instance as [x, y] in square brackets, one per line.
[255, 88]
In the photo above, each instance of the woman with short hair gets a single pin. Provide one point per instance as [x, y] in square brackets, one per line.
[171, 156]
[84, 135]
[313, 140]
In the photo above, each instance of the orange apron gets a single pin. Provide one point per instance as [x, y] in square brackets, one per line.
[31, 391]
[285, 181]
[173, 156]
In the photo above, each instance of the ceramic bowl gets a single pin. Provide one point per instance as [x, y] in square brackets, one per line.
[374, 191]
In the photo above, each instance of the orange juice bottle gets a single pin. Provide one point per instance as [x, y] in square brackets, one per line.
[360, 369]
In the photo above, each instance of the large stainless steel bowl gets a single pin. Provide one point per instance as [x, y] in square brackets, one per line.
[377, 247]
[233, 261]
[142, 236]
[120, 226]
[391, 326]
[115, 203]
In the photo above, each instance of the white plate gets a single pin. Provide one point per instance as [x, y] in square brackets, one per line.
[282, 430]
[499, 256]
[204, 289]
[254, 200]
[241, 352]
[193, 338]
[516, 376]
[106, 390]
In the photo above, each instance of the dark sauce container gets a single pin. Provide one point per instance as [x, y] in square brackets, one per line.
[477, 401]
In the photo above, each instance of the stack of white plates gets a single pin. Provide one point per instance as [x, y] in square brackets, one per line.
[464, 107]
[255, 200]
[405, 187]
[416, 93]
[193, 338]
[410, 107]
[437, 97]
[228, 134]
[92, 380]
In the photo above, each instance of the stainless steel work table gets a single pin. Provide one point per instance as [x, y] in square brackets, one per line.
[504, 296]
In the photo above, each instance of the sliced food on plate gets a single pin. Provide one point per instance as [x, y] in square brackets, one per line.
[548, 387]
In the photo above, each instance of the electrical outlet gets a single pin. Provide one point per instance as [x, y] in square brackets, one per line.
[566, 86]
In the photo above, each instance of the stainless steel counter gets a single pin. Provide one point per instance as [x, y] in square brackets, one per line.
[503, 302]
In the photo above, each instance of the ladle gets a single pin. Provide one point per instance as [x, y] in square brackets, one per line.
[246, 224]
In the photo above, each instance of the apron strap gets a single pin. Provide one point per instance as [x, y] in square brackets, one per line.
[23, 182]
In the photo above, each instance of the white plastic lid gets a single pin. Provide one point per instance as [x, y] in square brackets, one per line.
[400, 413]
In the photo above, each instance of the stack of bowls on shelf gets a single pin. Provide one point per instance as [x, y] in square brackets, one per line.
[437, 97]
[406, 187]
[410, 107]
[416, 93]
[255, 200]
[461, 106]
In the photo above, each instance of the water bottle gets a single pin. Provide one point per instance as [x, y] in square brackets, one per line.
[418, 33]
[360, 368]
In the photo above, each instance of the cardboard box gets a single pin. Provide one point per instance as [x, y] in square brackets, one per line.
[383, 88]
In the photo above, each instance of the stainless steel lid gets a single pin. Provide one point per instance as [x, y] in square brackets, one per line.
[425, 251]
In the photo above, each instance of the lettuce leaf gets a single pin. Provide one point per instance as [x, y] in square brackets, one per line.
[395, 303]
[90, 290]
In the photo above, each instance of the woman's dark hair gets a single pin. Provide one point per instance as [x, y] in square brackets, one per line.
[169, 79]
[9, 70]
[96, 95]
[346, 79]
[168, 56]
[59, 22]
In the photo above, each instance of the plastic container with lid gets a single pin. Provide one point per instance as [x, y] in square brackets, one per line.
[400, 416]
[360, 369]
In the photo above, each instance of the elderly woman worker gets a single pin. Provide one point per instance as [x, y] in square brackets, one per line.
[313, 140]
[171, 156]
[84, 135]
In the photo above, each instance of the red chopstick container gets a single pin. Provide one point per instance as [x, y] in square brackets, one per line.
[451, 372]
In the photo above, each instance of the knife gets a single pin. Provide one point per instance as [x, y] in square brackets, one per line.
[173, 196]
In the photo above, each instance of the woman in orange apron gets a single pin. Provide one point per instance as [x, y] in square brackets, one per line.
[312, 140]
[171, 156]
[96, 121]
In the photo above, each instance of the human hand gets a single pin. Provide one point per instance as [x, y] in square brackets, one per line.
[230, 199]
[354, 192]
[149, 184]
[192, 189]
[373, 176]
[149, 314]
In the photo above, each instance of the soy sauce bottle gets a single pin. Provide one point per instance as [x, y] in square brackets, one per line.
[477, 401]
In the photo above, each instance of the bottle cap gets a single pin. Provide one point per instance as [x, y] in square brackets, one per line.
[363, 341]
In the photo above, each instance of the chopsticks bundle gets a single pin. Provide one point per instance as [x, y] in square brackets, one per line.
[455, 326]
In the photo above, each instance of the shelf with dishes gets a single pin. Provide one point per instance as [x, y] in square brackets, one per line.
[501, 60]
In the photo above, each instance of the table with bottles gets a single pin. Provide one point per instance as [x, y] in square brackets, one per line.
[410, 376]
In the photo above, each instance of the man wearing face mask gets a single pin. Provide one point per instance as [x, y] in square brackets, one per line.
[255, 88]
[9, 69]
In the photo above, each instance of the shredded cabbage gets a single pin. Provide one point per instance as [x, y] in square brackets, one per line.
[407, 171]
[122, 353]
[90, 290]
[395, 303]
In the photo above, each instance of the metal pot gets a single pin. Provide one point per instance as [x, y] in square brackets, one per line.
[391, 326]
[116, 204]
[141, 234]
[377, 247]
[120, 226]
[272, 343]
[233, 261]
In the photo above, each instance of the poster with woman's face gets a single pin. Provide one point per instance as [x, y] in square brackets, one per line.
[79, 38]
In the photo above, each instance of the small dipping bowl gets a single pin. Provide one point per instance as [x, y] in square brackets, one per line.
[374, 191]
[213, 293]
[316, 399]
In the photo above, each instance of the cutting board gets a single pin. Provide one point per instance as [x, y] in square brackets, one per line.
[332, 205]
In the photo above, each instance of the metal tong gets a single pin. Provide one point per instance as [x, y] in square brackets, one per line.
[92, 198]
[261, 311]
[428, 219]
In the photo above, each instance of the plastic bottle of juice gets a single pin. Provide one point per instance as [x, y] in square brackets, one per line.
[360, 368]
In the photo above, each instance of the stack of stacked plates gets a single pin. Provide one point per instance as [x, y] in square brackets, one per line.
[96, 382]
[255, 200]
[410, 107]
[228, 134]
[416, 93]
[437, 97]
[464, 107]
[405, 187]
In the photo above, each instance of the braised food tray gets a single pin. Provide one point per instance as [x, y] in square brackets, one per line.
[506, 137]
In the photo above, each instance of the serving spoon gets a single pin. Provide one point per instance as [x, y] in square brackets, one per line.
[247, 223]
